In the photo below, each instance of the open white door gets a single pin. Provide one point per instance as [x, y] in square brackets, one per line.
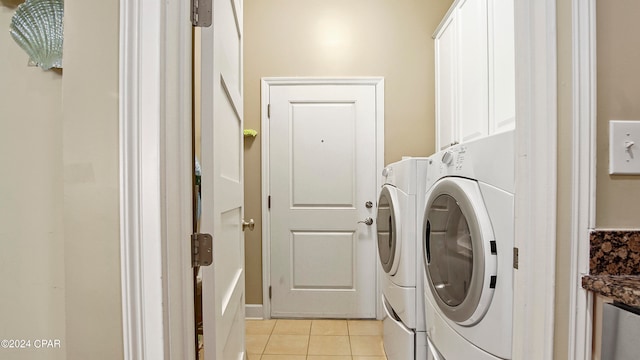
[222, 182]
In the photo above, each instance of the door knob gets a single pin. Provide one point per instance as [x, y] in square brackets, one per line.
[367, 221]
[251, 224]
[368, 204]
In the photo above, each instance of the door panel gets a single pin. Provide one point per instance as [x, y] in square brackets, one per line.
[222, 182]
[322, 172]
[230, 123]
[322, 134]
[310, 251]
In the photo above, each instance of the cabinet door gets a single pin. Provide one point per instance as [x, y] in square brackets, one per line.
[502, 80]
[446, 71]
[473, 89]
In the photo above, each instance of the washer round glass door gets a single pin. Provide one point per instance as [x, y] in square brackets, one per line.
[459, 250]
[388, 231]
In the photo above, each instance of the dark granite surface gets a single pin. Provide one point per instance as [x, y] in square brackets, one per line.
[615, 253]
[614, 267]
[622, 288]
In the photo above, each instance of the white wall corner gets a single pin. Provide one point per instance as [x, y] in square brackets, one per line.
[536, 178]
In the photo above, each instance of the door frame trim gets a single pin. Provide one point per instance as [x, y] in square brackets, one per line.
[155, 180]
[536, 18]
[141, 300]
[537, 153]
[536, 178]
[266, 83]
[583, 201]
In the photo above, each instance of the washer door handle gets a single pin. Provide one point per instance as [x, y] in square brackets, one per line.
[367, 221]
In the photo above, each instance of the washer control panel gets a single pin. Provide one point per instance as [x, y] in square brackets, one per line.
[462, 150]
[453, 157]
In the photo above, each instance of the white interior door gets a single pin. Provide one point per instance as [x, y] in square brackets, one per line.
[322, 168]
[222, 182]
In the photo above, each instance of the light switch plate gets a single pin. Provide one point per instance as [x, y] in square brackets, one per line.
[624, 147]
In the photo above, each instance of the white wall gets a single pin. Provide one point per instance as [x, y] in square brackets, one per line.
[59, 191]
[91, 180]
[617, 200]
[32, 301]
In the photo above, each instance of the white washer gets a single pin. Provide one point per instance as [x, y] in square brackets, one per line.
[467, 249]
[398, 222]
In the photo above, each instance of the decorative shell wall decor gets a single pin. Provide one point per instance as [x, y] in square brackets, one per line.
[38, 28]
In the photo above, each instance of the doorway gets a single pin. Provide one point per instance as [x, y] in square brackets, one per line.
[322, 153]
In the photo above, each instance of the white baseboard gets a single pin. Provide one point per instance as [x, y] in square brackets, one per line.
[253, 311]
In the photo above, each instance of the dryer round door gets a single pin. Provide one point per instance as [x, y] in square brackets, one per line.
[459, 250]
[387, 223]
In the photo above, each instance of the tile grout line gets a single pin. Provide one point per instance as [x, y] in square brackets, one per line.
[268, 339]
[350, 344]
[309, 340]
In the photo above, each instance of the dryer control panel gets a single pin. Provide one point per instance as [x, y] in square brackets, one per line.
[490, 159]
[453, 157]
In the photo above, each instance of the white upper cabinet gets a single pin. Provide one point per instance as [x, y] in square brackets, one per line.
[446, 77]
[475, 78]
[473, 87]
[502, 74]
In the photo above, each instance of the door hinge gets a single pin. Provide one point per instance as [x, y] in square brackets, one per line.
[201, 13]
[269, 111]
[201, 250]
[515, 257]
[269, 202]
[269, 292]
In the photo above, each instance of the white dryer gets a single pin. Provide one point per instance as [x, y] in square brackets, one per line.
[467, 249]
[398, 222]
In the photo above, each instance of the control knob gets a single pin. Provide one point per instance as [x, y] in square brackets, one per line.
[447, 158]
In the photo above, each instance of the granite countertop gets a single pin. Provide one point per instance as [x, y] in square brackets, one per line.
[622, 288]
[614, 267]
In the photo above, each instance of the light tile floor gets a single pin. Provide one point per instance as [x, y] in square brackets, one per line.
[314, 340]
